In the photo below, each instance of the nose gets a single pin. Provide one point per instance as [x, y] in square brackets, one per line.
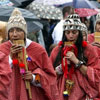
[14, 33]
[70, 34]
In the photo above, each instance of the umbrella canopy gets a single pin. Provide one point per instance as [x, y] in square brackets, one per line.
[45, 11]
[79, 4]
[34, 26]
[53, 2]
[21, 3]
[83, 4]
[32, 20]
[5, 3]
[84, 12]
[6, 11]
[95, 3]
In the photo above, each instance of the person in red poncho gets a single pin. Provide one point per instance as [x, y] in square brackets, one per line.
[5, 71]
[77, 65]
[40, 75]
[91, 37]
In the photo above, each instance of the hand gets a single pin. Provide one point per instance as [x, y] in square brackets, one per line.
[71, 56]
[16, 49]
[96, 44]
[58, 69]
[28, 76]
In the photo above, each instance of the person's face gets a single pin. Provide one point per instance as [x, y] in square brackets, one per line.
[98, 26]
[72, 35]
[84, 36]
[16, 34]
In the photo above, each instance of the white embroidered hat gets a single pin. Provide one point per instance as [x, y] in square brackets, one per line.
[16, 20]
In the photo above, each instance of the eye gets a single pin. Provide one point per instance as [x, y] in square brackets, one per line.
[18, 30]
[74, 31]
[98, 23]
[11, 30]
[67, 32]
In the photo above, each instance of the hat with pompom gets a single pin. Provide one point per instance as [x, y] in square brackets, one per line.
[17, 20]
[72, 22]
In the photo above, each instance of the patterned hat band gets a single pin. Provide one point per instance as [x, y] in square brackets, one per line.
[72, 27]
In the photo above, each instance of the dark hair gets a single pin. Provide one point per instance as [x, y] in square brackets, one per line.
[78, 45]
[68, 9]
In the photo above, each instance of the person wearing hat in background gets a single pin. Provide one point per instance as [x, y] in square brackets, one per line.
[76, 64]
[58, 30]
[91, 37]
[42, 87]
[84, 32]
[3, 31]
[5, 71]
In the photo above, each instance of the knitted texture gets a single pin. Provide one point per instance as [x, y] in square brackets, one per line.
[16, 20]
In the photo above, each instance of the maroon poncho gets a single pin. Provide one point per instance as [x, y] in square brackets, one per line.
[40, 64]
[91, 40]
[5, 76]
[84, 86]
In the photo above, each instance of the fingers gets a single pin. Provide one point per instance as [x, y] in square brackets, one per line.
[16, 48]
[27, 76]
[69, 54]
[96, 44]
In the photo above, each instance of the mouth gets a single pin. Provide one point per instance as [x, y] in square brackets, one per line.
[71, 40]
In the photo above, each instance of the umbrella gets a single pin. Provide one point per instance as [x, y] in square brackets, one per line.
[21, 3]
[32, 20]
[84, 12]
[34, 26]
[6, 11]
[53, 2]
[5, 3]
[95, 3]
[45, 11]
[79, 4]
[83, 4]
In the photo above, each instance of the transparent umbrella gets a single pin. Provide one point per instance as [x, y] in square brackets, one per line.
[53, 2]
[45, 11]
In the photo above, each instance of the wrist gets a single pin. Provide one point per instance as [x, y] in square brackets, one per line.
[76, 61]
[79, 64]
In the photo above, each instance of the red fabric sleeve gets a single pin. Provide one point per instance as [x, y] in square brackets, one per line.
[93, 71]
[5, 77]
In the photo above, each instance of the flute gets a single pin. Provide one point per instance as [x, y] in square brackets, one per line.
[22, 58]
[97, 36]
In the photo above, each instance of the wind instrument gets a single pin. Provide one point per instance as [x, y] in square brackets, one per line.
[68, 82]
[97, 36]
[22, 58]
[68, 44]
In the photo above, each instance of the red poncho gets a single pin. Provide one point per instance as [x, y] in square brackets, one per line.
[83, 86]
[5, 76]
[40, 64]
[91, 40]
